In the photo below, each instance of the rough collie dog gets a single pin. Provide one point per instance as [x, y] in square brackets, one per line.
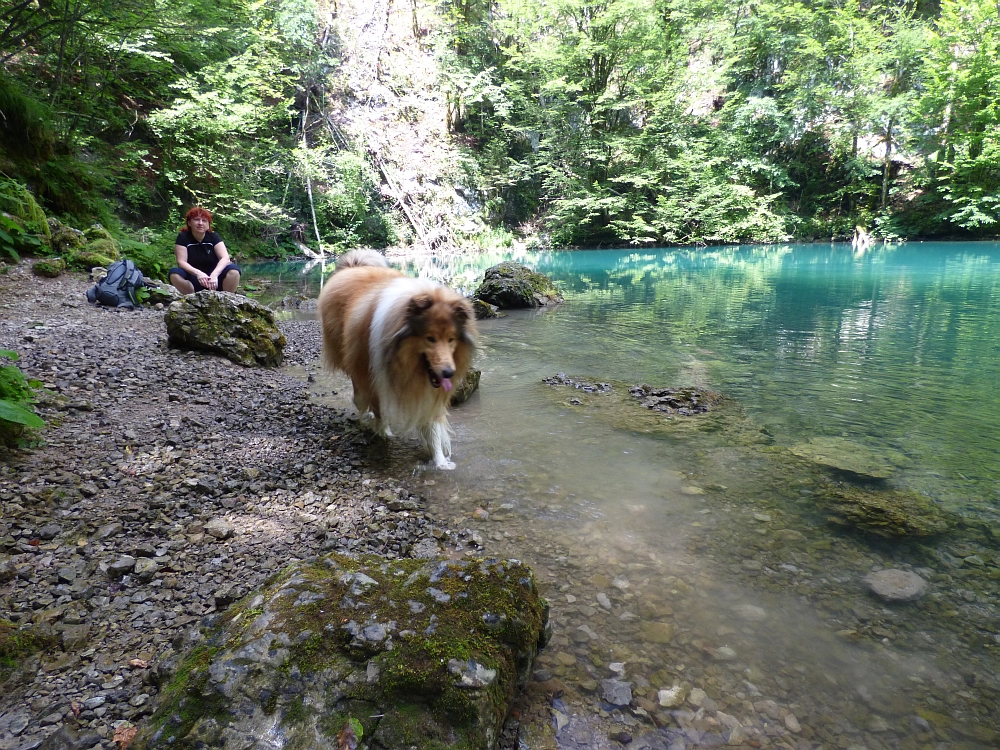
[405, 343]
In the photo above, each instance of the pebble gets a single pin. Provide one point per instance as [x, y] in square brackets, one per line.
[616, 692]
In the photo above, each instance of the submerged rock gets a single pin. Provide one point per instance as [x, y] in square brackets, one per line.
[340, 641]
[469, 386]
[667, 412]
[510, 285]
[887, 513]
[896, 585]
[223, 323]
[682, 401]
[850, 457]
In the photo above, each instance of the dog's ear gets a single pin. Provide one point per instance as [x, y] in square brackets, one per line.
[418, 304]
[463, 311]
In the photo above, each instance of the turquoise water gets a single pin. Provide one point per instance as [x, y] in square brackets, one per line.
[701, 560]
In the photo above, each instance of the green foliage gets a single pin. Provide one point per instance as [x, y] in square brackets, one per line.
[15, 401]
[713, 121]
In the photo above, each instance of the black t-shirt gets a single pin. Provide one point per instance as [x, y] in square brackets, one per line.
[201, 255]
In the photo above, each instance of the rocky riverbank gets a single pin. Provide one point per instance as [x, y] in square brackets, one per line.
[169, 485]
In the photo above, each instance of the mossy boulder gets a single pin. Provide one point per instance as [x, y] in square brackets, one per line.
[228, 324]
[86, 260]
[49, 268]
[417, 653]
[65, 240]
[888, 513]
[469, 386]
[106, 248]
[510, 285]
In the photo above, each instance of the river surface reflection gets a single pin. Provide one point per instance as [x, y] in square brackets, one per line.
[697, 567]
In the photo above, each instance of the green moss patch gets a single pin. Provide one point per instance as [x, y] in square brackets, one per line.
[426, 654]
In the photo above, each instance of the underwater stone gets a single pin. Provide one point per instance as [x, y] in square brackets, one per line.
[616, 692]
[896, 585]
[887, 513]
[850, 457]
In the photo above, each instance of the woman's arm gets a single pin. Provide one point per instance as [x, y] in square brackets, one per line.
[223, 255]
[181, 253]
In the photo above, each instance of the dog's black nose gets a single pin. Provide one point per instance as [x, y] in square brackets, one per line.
[447, 372]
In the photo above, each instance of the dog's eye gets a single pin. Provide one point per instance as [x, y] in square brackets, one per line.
[432, 339]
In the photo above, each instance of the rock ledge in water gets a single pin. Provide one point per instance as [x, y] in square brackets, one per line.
[423, 654]
[228, 324]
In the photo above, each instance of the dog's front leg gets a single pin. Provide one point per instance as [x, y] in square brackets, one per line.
[439, 443]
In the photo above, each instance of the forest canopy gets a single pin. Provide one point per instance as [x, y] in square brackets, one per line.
[581, 122]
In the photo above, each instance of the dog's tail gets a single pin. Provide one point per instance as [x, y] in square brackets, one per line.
[356, 258]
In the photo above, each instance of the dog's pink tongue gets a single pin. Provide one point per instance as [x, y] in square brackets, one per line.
[446, 384]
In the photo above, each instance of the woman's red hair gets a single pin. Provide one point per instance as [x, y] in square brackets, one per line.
[196, 212]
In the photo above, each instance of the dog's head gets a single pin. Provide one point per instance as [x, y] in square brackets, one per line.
[440, 328]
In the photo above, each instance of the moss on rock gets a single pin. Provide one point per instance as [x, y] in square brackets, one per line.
[423, 653]
[510, 285]
[85, 260]
[228, 324]
[50, 268]
[887, 513]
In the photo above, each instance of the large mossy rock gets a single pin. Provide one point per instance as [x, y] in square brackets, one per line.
[228, 324]
[892, 514]
[510, 285]
[63, 239]
[426, 654]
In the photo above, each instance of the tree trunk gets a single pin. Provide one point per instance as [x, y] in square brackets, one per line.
[887, 164]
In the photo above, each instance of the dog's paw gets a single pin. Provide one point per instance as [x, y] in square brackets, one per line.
[445, 465]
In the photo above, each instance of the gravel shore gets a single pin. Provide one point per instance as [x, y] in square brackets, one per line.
[169, 485]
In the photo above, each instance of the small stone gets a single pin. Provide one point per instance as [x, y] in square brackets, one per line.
[697, 697]
[792, 724]
[616, 692]
[146, 569]
[603, 600]
[894, 585]
[657, 632]
[122, 566]
[219, 528]
[671, 698]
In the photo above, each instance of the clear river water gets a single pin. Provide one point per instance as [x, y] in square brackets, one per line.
[714, 566]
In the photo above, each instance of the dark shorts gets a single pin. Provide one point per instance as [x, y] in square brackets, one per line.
[198, 287]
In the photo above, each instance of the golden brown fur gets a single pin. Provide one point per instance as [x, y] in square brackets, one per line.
[397, 337]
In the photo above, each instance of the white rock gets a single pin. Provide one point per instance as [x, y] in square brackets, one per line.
[792, 724]
[671, 698]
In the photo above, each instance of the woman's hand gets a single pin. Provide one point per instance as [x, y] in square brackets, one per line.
[209, 282]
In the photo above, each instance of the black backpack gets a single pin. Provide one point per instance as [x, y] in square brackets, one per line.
[120, 288]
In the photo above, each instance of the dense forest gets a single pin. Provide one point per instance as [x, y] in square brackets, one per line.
[576, 122]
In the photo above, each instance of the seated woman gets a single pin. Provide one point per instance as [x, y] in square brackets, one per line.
[202, 257]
